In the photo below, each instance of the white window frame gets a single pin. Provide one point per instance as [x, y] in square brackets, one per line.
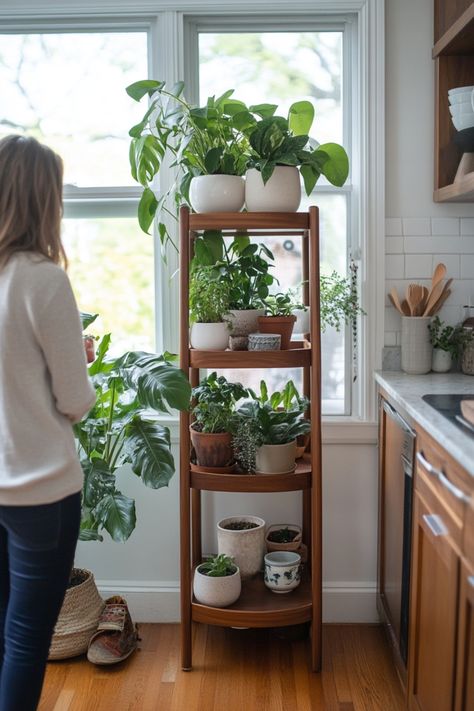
[168, 35]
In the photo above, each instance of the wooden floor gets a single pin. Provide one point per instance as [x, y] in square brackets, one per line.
[234, 670]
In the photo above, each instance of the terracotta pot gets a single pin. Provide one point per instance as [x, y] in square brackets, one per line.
[278, 324]
[291, 546]
[213, 449]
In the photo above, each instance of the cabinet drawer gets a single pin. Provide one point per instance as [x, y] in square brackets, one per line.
[443, 483]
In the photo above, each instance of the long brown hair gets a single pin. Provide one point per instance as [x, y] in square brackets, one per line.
[31, 177]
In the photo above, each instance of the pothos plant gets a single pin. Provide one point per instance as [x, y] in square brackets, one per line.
[121, 429]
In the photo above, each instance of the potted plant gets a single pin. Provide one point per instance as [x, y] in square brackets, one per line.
[283, 537]
[214, 399]
[278, 148]
[217, 581]
[279, 316]
[203, 143]
[243, 539]
[118, 430]
[209, 301]
[245, 267]
[447, 342]
[272, 424]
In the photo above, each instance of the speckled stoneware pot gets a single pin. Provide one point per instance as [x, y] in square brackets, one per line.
[243, 321]
[282, 571]
[264, 341]
[246, 547]
[217, 591]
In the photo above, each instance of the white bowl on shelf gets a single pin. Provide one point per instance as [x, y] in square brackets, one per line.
[462, 122]
[461, 109]
[455, 94]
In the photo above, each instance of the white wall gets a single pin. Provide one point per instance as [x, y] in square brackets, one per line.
[419, 232]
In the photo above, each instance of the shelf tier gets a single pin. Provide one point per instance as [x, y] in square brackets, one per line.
[258, 606]
[294, 221]
[255, 483]
[458, 38]
[297, 356]
[460, 191]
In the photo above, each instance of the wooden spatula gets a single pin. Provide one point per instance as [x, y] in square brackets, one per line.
[414, 298]
[435, 293]
[438, 275]
[444, 295]
[393, 296]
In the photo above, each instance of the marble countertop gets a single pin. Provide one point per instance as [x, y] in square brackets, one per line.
[407, 391]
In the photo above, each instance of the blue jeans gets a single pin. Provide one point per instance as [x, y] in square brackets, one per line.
[37, 545]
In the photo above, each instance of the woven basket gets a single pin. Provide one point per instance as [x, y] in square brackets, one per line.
[78, 618]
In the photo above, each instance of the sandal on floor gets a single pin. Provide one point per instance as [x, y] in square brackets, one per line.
[116, 637]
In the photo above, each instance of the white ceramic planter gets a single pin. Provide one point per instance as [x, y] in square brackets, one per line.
[282, 571]
[275, 458]
[217, 193]
[302, 320]
[245, 321]
[247, 547]
[282, 193]
[209, 336]
[442, 361]
[217, 592]
[416, 346]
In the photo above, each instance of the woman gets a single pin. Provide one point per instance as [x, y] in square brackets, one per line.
[44, 388]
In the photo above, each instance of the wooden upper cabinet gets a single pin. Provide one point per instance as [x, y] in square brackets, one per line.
[453, 53]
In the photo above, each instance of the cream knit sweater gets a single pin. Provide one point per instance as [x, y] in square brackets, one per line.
[44, 385]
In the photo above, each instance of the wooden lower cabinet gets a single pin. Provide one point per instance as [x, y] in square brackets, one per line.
[433, 630]
[465, 657]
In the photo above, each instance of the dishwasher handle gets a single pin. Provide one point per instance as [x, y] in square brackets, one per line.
[398, 418]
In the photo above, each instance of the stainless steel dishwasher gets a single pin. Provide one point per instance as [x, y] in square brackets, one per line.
[397, 451]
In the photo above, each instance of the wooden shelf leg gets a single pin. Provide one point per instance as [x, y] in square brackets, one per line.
[196, 526]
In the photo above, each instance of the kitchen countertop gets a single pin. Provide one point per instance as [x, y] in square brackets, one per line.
[407, 390]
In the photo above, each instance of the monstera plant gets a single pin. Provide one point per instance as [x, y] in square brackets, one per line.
[121, 429]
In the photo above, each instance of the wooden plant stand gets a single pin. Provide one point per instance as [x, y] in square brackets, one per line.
[257, 606]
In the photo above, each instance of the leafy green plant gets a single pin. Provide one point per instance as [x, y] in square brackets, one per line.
[214, 400]
[275, 140]
[447, 338]
[243, 265]
[218, 566]
[282, 304]
[272, 419]
[121, 429]
[204, 140]
[339, 301]
[209, 296]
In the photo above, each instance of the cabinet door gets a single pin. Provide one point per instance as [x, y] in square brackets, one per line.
[435, 575]
[465, 674]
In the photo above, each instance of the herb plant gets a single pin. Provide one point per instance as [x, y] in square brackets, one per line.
[215, 399]
[121, 429]
[446, 338]
[339, 301]
[218, 566]
[282, 304]
[209, 296]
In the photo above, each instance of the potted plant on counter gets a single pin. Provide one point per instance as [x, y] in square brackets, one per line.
[279, 316]
[215, 401]
[278, 148]
[209, 301]
[272, 424]
[217, 581]
[447, 342]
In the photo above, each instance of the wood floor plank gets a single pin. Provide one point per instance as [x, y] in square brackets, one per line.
[234, 670]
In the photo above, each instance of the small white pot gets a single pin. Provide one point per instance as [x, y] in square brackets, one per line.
[282, 571]
[275, 458]
[245, 321]
[217, 193]
[209, 336]
[302, 320]
[247, 547]
[282, 193]
[217, 592]
[442, 361]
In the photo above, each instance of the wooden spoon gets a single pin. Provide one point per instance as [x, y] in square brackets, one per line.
[393, 296]
[435, 293]
[442, 298]
[414, 298]
[438, 275]
[424, 301]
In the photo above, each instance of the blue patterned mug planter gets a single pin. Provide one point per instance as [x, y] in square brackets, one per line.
[282, 571]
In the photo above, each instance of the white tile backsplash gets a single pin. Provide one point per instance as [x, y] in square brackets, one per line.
[413, 247]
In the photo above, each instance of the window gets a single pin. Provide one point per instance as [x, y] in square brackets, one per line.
[68, 90]
[281, 67]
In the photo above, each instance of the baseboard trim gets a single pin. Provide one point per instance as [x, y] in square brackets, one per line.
[343, 602]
